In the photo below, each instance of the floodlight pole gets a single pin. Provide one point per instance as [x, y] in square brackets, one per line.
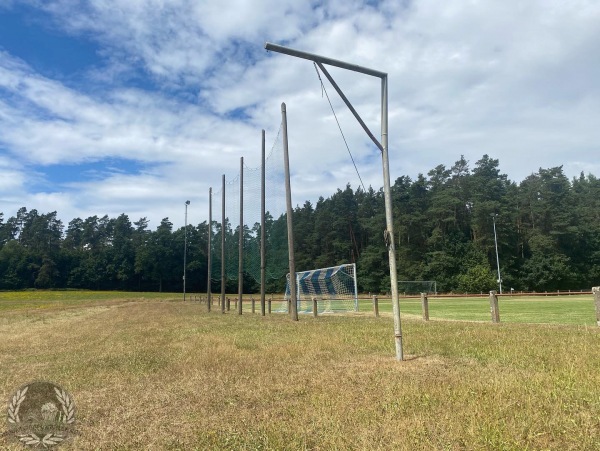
[383, 146]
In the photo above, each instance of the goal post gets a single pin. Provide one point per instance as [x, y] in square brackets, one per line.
[335, 289]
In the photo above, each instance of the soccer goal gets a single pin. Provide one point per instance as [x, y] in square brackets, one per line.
[415, 287]
[335, 289]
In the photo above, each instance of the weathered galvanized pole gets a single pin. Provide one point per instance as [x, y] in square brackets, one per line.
[187, 202]
[497, 257]
[389, 219]
[223, 246]
[241, 240]
[383, 146]
[290, 228]
[209, 263]
[263, 258]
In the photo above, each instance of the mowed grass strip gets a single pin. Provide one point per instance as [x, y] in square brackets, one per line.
[11, 301]
[573, 309]
[168, 375]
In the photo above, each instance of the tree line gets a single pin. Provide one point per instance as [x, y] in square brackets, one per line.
[548, 237]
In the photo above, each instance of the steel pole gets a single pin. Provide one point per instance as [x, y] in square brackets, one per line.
[223, 246]
[263, 258]
[241, 240]
[290, 229]
[187, 202]
[209, 276]
[497, 258]
[389, 220]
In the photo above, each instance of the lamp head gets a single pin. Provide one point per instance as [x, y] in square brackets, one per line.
[187, 202]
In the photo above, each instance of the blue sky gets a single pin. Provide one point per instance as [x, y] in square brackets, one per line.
[112, 107]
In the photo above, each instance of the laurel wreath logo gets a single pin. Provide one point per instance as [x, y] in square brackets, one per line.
[45, 441]
[15, 405]
[66, 416]
[68, 406]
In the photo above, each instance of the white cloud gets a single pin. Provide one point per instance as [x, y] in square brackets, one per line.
[515, 81]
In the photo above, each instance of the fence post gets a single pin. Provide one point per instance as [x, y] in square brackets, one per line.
[376, 306]
[596, 291]
[494, 307]
[315, 308]
[228, 304]
[425, 306]
[269, 304]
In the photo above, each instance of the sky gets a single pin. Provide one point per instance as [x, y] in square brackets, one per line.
[110, 106]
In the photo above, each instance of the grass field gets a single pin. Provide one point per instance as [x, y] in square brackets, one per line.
[574, 309]
[150, 372]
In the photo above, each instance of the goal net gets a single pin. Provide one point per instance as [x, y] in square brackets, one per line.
[415, 287]
[335, 289]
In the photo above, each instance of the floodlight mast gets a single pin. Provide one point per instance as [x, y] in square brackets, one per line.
[383, 146]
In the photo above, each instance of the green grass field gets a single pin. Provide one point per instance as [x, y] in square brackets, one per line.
[41, 299]
[574, 309]
[150, 372]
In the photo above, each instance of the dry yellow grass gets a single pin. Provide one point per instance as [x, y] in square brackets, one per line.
[167, 375]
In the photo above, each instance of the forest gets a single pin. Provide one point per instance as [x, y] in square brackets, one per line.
[548, 235]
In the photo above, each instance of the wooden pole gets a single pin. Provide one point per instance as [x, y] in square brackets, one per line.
[376, 306]
[596, 291]
[494, 307]
[425, 306]
[315, 307]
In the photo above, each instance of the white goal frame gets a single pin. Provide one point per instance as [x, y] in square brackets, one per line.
[318, 283]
